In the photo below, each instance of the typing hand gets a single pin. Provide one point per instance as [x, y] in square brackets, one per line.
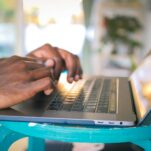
[21, 78]
[59, 60]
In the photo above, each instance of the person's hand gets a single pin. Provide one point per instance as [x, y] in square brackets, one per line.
[59, 60]
[21, 78]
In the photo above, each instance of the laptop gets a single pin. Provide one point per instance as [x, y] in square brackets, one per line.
[96, 100]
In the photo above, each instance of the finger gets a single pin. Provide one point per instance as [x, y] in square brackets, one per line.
[39, 73]
[11, 60]
[15, 58]
[49, 63]
[58, 67]
[59, 63]
[37, 86]
[70, 63]
[34, 65]
[48, 91]
[75, 70]
[79, 70]
[23, 62]
[71, 67]
[31, 59]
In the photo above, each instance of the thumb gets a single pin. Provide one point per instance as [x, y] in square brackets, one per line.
[39, 85]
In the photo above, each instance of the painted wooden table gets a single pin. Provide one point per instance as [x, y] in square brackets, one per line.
[37, 133]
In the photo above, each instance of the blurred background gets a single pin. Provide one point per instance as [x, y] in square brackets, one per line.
[110, 36]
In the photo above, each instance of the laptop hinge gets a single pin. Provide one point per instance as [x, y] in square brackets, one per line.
[139, 104]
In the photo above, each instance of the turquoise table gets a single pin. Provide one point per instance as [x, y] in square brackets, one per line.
[37, 133]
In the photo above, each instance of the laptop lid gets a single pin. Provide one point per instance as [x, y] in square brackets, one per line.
[140, 82]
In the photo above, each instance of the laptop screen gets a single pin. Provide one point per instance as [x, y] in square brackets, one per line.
[141, 88]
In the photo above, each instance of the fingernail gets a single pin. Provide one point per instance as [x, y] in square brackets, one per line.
[48, 92]
[77, 77]
[71, 79]
[49, 63]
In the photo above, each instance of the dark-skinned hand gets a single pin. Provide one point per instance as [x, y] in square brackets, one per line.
[59, 59]
[21, 78]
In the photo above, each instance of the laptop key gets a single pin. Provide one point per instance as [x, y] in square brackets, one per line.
[102, 110]
[79, 98]
[89, 110]
[80, 108]
[66, 107]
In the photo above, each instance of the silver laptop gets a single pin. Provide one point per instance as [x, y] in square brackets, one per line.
[94, 100]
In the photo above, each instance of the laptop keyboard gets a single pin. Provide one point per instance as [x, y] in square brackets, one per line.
[92, 95]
